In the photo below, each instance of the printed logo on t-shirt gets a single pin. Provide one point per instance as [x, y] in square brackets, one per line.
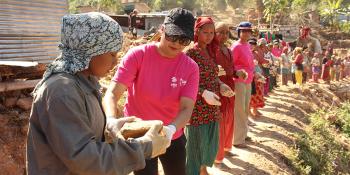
[182, 82]
[175, 83]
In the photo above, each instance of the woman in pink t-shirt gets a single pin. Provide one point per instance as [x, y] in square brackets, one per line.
[242, 59]
[162, 84]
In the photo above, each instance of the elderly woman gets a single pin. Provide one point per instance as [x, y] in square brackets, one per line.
[223, 58]
[257, 99]
[264, 63]
[67, 122]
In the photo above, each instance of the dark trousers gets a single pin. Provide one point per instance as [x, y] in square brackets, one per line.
[305, 77]
[133, 31]
[273, 82]
[173, 161]
[293, 78]
[284, 78]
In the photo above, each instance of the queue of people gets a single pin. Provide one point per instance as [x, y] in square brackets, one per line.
[201, 98]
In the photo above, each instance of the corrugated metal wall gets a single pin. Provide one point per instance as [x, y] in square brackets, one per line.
[30, 29]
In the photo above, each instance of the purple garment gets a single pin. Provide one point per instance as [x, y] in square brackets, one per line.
[316, 69]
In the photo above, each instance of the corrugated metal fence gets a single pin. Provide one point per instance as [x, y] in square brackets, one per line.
[30, 29]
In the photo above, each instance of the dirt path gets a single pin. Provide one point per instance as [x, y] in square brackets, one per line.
[284, 115]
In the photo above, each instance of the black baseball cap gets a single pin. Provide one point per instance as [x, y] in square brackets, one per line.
[179, 22]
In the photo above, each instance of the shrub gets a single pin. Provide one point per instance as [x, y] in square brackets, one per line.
[317, 151]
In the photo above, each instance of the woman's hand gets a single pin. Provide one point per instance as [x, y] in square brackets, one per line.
[113, 125]
[262, 79]
[160, 141]
[221, 71]
[226, 90]
[242, 74]
[211, 98]
[169, 131]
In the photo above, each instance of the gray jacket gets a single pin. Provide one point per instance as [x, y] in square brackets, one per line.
[66, 132]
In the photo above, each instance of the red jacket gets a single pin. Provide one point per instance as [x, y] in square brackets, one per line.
[299, 59]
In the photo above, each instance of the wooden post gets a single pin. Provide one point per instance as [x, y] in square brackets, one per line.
[18, 85]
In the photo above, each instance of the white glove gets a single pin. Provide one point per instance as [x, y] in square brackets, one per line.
[113, 125]
[169, 131]
[226, 90]
[242, 74]
[256, 62]
[211, 98]
[221, 71]
[160, 142]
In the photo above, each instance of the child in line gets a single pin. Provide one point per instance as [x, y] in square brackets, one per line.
[315, 62]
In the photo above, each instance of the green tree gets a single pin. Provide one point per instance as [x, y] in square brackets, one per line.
[235, 3]
[220, 4]
[260, 8]
[173, 3]
[329, 9]
[73, 4]
[150, 3]
[346, 11]
[189, 4]
[301, 6]
[160, 5]
[304, 3]
[114, 6]
[110, 5]
[272, 8]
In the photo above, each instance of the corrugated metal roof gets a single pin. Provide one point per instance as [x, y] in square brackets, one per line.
[30, 29]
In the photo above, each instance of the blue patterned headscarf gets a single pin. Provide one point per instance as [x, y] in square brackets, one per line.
[84, 36]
